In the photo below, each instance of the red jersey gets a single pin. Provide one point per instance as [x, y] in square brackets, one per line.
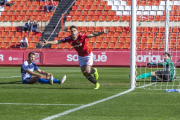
[80, 44]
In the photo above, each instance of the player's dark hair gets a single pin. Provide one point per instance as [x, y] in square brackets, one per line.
[31, 53]
[168, 54]
[73, 26]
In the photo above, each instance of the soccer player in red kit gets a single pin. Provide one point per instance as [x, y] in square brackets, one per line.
[85, 55]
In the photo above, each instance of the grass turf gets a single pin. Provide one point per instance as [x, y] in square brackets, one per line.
[139, 104]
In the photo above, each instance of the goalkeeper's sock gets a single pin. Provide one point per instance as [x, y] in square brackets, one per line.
[92, 71]
[142, 76]
[55, 80]
[91, 78]
[43, 81]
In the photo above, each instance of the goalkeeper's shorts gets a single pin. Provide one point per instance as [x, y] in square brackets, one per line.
[163, 76]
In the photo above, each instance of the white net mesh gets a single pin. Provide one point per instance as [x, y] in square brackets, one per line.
[151, 43]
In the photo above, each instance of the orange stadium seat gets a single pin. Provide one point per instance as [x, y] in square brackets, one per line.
[26, 8]
[26, 18]
[20, 8]
[141, 46]
[96, 18]
[152, 35]
[18, 34]
[10, 13]
[112, 45]
[7, 39]
[7, 29]
[144, 40]
[97, 45]
[147, 29]
[24, 33]
[106, 39]
[154, 29]
[110, 34]
[16, 3]
[160, 35]
[103, 3]
[23, 3]
[11, 34]
[1, 28]
[121, 40]
[39, 8]
[7, 18]
[107, 8]
[69, 46]
[39, 34]
[4, 34]
[61, 46]
[105, 45]
[150, 40]
[29, 3]
[102, 18]
[91, 45]
[98, 29]
[35, 3]
[35, 39]
[91, 13]
[126, 45]
[77, 3]
[84, 29]
[90, 29]
[14, 18]
[100, 39]
[1, 39]
[149, 46]
[119, 29]
[61, 34]
[145, 35]
[176, 29]
[98, 13]
[11, 45]
[5, 45]
[13, 8]
[32, 34]
[124, 34]
[15, 39]
[93, 39]
[4, 13]
[1, 18]
[158, 40]
[117, 34]
[75, 18]
[81, 7]
[32, 45]
[7, 8]
[54, 46]
[109, 18]
[75, 7]
[87, 7]
[89, 18]
[85, 13]
[156, 46]
[174, 41]
[67, 34]
[50, 14]
[82, 18]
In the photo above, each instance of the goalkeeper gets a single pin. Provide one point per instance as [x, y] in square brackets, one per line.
[166, 75]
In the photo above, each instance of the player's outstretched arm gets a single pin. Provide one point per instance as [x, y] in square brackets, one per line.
[99, 33]
[158, 64]
[45, 42]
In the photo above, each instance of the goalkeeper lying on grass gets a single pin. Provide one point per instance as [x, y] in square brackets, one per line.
[166, 75]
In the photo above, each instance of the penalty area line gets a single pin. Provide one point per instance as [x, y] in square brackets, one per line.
[34, 104]
[88, 105]
[11, 77]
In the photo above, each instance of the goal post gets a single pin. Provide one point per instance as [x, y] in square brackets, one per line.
[133, 45]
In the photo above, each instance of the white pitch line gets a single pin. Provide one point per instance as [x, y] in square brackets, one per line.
[11, 77]
[34, 104]
[88, 105]
[147, 85]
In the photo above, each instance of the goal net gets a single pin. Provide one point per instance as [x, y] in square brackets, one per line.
[151, 36]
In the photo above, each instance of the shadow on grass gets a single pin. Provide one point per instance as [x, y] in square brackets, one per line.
[15, 82]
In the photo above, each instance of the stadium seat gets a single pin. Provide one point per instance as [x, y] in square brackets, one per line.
[35, 3]
[140, 29]
[7, 18]
[11, 45]
[105, 45]
[126, 46]
[29, 3]
[173, 41]
[97, 45]
[100, 39]
[23, 3]
[93, 39]
[81, 7]
[160, 35]
[62, 45]
[154, 29]
[54, 46]
[15, 39]
[112, 29]
[13, 8]
[110, 34]
[68, 46]
[7, 8]
[32, 45]
[152, 35]
[18, 34]
[7, 29]
[151, 40]
[77, 3]
[5, 45]
[145, 35]
[112, 45]
[144, 40]
[89, 18]
[4, 34]
[107, 8]
[39, 34]
[156, 46]
[7, 39]
[149, 46]
[26, 18]
[98, 29]
[1, 28]
[121, 40]
[176, 29]
[106, 39]
[85, 13]
[11, 34]
[67, 34]
[124, 34]
[90, 29]
[147, 29]
[141, 46]
[117, 34]
[20, 8]
[116, 18]
[95, 18]
[10, 13]
[91, 45]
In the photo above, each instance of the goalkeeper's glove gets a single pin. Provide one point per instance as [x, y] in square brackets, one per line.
[151, 63]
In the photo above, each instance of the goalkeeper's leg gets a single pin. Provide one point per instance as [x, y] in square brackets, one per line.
[145, 75]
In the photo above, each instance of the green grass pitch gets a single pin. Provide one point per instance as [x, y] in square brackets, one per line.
[36, 102]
